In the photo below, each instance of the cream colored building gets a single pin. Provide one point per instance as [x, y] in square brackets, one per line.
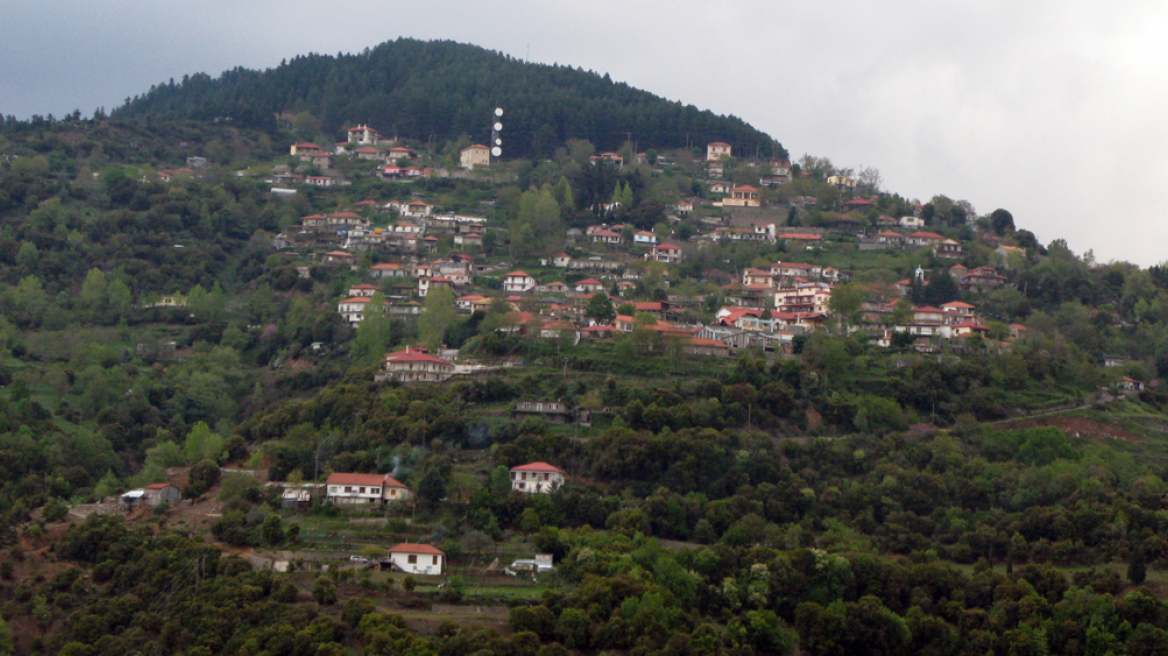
[476, 155]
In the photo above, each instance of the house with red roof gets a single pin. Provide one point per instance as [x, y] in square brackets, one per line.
[364, 489]
[742, 196]
[304, 150]
[518, 281]
[352, 309]
[758, 277]
[606, 236]
[151, 495]
[363, 134]
[930, 239]
[338, 257]
[537, 478]
[959, 308]
[968, 328]
[387, 270]
[434, 282]
[398, 152]
[413, 558]
[472, 156]
[949, 248]
[644, 238]
[667, 253]
[588, 286]
[412, 366]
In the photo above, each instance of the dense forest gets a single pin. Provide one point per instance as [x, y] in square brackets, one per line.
[995, 495]
[444, 90]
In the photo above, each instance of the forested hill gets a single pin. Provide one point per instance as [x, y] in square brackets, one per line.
[443, 90]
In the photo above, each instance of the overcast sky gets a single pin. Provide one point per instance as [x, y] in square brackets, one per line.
[1052, 110]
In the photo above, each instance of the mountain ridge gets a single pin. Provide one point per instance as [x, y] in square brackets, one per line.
[446, 91]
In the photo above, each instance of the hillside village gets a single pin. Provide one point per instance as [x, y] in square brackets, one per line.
[402, 250]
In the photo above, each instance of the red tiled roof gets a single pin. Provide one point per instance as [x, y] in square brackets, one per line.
[375, 480]
[158, 486]
[420, 357]
[538, 467]
[702, 341]
[410, 547]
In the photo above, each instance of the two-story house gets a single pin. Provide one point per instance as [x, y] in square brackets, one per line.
[537, 478]
[518, 281]
[364, 489]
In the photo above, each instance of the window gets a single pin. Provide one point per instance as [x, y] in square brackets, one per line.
[375, 490]
[413, 559]
[361, 490]
[348, 489]
[435, 560]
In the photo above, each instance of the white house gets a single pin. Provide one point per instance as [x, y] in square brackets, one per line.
[364, 489]
[415, 367]
[537, 478]
[644, 238]
[717, 150]
[353, 308]
[518, 281]
[417, 558]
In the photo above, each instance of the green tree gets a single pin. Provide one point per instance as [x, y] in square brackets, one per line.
[28, 256]
[438, 315]
[272, 531]
[119, 300]
[324, 591]
[1137, 568]
[94, 292]
[203, 443]
[202, 477]
[1002, 222]
[375, 333]
[845, 302]
[600, 309]
[7, 647]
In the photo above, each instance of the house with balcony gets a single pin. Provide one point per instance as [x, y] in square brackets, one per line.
[364, 489]
[537, 478]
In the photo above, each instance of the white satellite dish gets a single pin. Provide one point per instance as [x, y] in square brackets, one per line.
[497, 151]
[499, 112]
[498, 127]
